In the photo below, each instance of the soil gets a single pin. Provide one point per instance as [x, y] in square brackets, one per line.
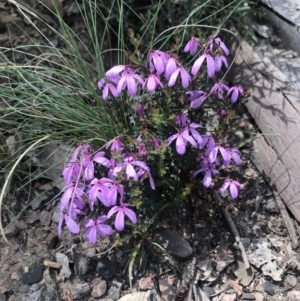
[205, 254]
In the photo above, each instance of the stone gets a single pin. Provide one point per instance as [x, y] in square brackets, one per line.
[137, 296]
[114, 293]
[290, 280]
[271, 206]
[259, 296]
[248, 296]
[65, 271]
[174, 243]
[293, 295]
[244, 276]
[45, 217]
[2, 297]
[80, 290]
[81, 264]
[269, 288]
[53, 242]
[249, 172]
[45, 293]
[33, 276]
[56, 213]
[168, 291]
[106, 268]
[24, 288]
[99, 289]
[146, 283]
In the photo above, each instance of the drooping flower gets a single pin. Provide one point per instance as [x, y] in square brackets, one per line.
[219, 60]
[156, 61]
[140, 110]
[234, 187]
[209, 170]
[115, 144]
[212, 153]
[98, 190]
[152, 82]
[71, 224]
[155, 142]
[182, 138]
[192, 128]
[236, 91]
[181, 119]
[97, 226]
[114, 71]
[72, 191]
[121, 211]
[171, 66]
[109, 87]
[220, 89]
[185, 77]
[234, 154]
[211, 68]
[89, 169]
[72, 171]
[221, 45]
[192, 46]
[197, 98]
[129, 79]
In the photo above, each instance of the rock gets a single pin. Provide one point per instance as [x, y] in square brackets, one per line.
[258, 296]
[269, 288]
[80, 290]
[33, 276]
[45, 217]
[173, 243]
[31, 217]
[53, 242]
[56, 213]
[229, 297]
[168, 291]
[99, 289]
[293, 296]
[65, 271]
[140, 296]
[249, 172]
[106, 268]
[208, 290]
[146, 283]
[114, 293]
[24, 288]
[81, 264]
[244, 276]
[45, 293]
[2, 297]
[290, 281]
[248, 296]
[271, 206]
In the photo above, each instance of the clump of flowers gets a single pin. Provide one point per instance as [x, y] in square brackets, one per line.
[167, 149]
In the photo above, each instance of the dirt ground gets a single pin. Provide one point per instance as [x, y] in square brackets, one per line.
[36, 264]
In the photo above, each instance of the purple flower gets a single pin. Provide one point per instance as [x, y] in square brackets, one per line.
[223, 112]
[114, 71]
[222, 45]
[152, 82]
[181, 119]
[219, 60]
[129, 163]
[235, 186]
[89, 169]
[109, 87]
[72, 191]
[192, 46]
[95, 227]
[185, 77]
[98, 190]
[212, 153]
[121, 211]
[115, 144]
[72, 171]
[155, 142]
[207, 139]
[171, 66]
[128, 79]
[197, 98]
[236, 90]
[209, 170]
[219, 88]
[192, 128]
[156, 61]
[71, 224]
[143, 151]
[182, 138]
[140, 110]
[211, 68]
[234, 154]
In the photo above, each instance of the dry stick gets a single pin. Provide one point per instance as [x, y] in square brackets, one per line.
[287, 221]
[233, 230]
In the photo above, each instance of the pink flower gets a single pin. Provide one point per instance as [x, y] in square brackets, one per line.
[115, 144]
[234, 154]
[234, 186]
[98, 190]
[192, 46]
[236, 91]
[219, 88]
[171, 66]
[222, 45]
[197, 98]
[72, 191]
[185, 77]
[152, 82]
[192, 128]
[212, 153]
[181, 141]
[109, 87]
[89, 169]
[129, 79]
[211, 68]
[209, 170]
[121, 211]
[71, 224]
[140, 110]
[156, 61]
[181, 119]
[219, 60]
[155, 142]
[95, 227]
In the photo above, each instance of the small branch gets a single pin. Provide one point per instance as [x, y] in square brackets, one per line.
[233, 229]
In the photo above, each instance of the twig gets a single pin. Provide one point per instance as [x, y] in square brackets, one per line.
[68, 296]
[233, 229]
[192, 279]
